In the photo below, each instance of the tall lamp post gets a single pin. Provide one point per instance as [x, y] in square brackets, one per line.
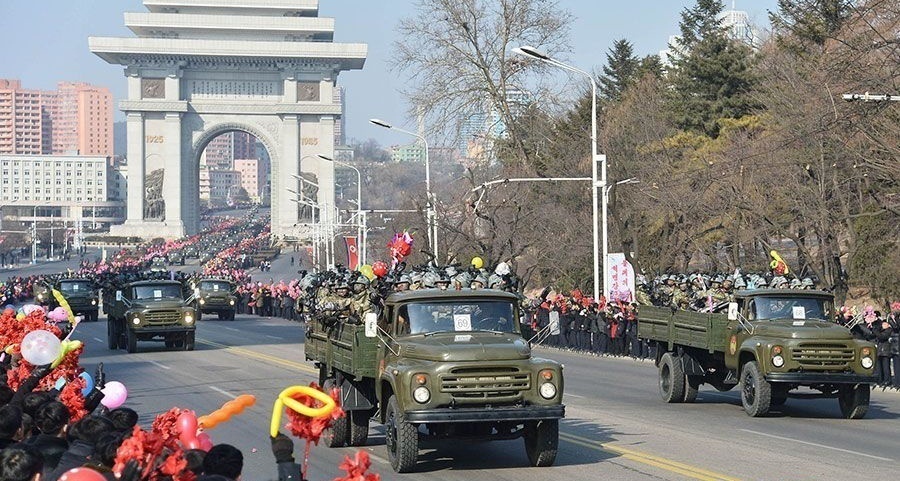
[430, 209]
[359, 210]
[534, 53]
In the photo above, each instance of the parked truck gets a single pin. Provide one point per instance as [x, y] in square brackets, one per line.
[150, 310]
[771, 342]
[442, 364]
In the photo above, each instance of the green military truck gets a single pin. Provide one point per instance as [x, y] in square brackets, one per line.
[150, 310]
[216, 296]
[81, 294]
[771, 341]
[442, 364]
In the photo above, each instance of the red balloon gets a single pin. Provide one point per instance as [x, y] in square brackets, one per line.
[187, 425]
[81, 474]
[205, 442]
[379, 268]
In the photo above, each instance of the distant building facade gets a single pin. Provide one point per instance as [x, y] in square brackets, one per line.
[65, 187]
[408, 153]
[254, 176]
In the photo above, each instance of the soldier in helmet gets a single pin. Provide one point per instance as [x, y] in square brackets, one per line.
[443, 282]
[478, 282]
[681, 297]
[795, 283]
[402, 284]
[360, 301]
[807, 284]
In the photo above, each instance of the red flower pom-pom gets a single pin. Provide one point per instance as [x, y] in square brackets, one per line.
[357, 468]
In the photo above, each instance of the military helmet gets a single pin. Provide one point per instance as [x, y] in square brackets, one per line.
[404, 278]
[430, 279]
[739, 282]
[494, 281]
[761, 281]
[362, 280]
[807, 282]
[480, 278]
[719, 278]
[795, 283]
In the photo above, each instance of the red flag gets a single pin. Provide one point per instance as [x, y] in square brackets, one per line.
[352, 252]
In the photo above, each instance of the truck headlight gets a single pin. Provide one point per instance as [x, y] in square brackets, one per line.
[231, 302]
[867, 362]
[778, 361]
[421, 394]
[202, 301]
[188, 318]
[40, 297]
[136, 320]
[93, 302]
[548, 390]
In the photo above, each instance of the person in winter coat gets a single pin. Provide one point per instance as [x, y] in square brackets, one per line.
[894, 321]
[882, 332]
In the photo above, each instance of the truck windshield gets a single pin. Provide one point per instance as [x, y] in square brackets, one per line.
[157, 292]
[75, 287]
[456, 316]
[215, 286]
[769, 308]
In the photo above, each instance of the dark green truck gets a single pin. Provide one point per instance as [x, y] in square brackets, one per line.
[80, 294]
[216, 296]
[150, 310]
[771, 342]
[442, 364]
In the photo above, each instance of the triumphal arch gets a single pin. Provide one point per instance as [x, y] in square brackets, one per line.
[200, 68]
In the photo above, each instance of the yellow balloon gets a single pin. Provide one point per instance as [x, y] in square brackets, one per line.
[367, 271]
[285, 399]
[477, 262]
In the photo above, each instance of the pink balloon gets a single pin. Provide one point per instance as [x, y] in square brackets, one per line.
[205, 442]
[114, 395]
[81, 474]
[187, 424]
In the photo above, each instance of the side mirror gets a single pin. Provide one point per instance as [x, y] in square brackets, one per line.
[732, 311]
[119, 296]
[371, 322]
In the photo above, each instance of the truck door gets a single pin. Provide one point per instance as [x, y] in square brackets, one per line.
[736, 335]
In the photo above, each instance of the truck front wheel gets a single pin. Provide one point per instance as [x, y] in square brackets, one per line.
[854, 401]
[671, 379]
[402, 439]
[756, 392]
[112, 335]
[336, 435]
[542, 441]
[131, 341]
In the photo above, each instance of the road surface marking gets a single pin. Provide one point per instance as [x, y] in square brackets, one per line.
[272, 337]
[159, 365]
[262, 357]
[98, 339]
[665, 464]
[856, 453]
[232, 396]
[232, 329]
[574, 396]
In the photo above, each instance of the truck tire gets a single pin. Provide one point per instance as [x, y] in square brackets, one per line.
[92, 316]
[671, 378]
[112, 335]
[231, 316]
[189, 341]
[854, 401]
[336, 435]
[359, 427]
[779, 394]
[691, 388]
[541, 442]
[402, 439]
[130, 341]
[756, 392]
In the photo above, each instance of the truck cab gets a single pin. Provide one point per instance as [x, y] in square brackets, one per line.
[216, 296]
[151, 311]
[443, 364]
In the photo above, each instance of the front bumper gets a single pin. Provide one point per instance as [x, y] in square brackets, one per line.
[471, 415]
[162, 329]
[819, 378]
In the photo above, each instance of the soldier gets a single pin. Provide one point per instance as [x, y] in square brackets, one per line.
[720, 294]
[360, 302]
[640, 292]
[478, 282]
[402, 284]
[681, 297]
[667, 290]
[807, 284]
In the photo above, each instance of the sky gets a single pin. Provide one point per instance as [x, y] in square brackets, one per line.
[46, 42]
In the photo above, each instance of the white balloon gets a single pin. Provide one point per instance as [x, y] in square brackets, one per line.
[40, 347]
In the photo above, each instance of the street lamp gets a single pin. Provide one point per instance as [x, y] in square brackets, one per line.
[430, 207]
[360, 219]
[534, 53]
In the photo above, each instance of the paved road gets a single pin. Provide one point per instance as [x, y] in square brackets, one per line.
[45, 267]
[616, 426]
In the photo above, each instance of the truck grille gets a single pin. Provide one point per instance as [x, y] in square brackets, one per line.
[485, 384]
[822, 355]
[162, 317]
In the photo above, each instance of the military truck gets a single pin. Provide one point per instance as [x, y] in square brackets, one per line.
[81, 294]
[441, 364]
[771, 341]
[216, 296]
[150, 310]
[175, 257]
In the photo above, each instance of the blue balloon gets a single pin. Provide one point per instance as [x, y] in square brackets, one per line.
[60, 383]
[89, 383]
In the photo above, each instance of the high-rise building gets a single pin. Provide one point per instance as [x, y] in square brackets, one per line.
[243, 146]
[254, 176]
[218, 153]
[481, 128]
[76, 119]
[21, 119]
[735, 23]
